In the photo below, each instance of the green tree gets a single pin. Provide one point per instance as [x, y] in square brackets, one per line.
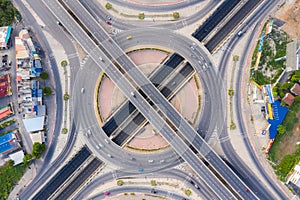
[64, 130]
[230, 92]
[142, 16]
[281, 129]
[153, 183]
[47, 91]
[176, 15]
[188, 192]
[66, 96]
[120, 182]
[38, 149]
[108, 6]
[11, 163]
[64, 63]
[27, 158]
[44, 75]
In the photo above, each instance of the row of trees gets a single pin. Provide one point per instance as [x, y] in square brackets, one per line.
[37, 151]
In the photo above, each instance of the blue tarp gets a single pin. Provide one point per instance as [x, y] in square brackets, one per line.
[261, 42]
[279, 113]
[9, 29]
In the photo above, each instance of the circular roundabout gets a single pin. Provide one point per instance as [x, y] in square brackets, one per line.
[160, 156]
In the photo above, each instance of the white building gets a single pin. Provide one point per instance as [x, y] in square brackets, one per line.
[295, 176]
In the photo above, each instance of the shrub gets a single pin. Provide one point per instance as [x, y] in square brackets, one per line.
[142, 16]
[175, 15]
[38, 149]
[64, 63]
[188, 192]
[230, 92]
[281, 129]
[120, 182]
[64, 130]
[47, 91]
[108, 6]
[66, 96]
[44, 75]
[27, 158]
[153, 183]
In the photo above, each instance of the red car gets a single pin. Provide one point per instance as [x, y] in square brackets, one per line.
[108, 22]
[106, 193]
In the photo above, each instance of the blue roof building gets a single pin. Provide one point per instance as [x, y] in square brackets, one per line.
[8, 143]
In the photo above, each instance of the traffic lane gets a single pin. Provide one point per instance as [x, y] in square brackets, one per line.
[222, 11]
[139, 189]
[60, 177]
[99, 13]
[79, 179]
[174, 173]
[231, 24]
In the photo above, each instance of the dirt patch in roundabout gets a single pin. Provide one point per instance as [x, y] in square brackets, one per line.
[186, 101]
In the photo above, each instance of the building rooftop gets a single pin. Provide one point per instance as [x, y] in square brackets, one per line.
[288, 99]
[17, 157]
[5, 33]
[5, 112]
[293, 55]
[5, 89]
[37, 137]
[8, 143]
[34, 124]
[296, 89]
[21, 52]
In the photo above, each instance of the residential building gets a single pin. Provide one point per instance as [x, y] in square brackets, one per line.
[288, 99]
[6, 111]
[5, 33]
[296, 89]
[17, 157]
[30, 95]
[5, 87]
[9, 143]
[35, 126]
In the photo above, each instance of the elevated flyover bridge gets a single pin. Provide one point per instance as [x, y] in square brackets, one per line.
[115, 73]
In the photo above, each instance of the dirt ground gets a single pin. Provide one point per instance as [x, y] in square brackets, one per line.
[289, 144]
[289, 13]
